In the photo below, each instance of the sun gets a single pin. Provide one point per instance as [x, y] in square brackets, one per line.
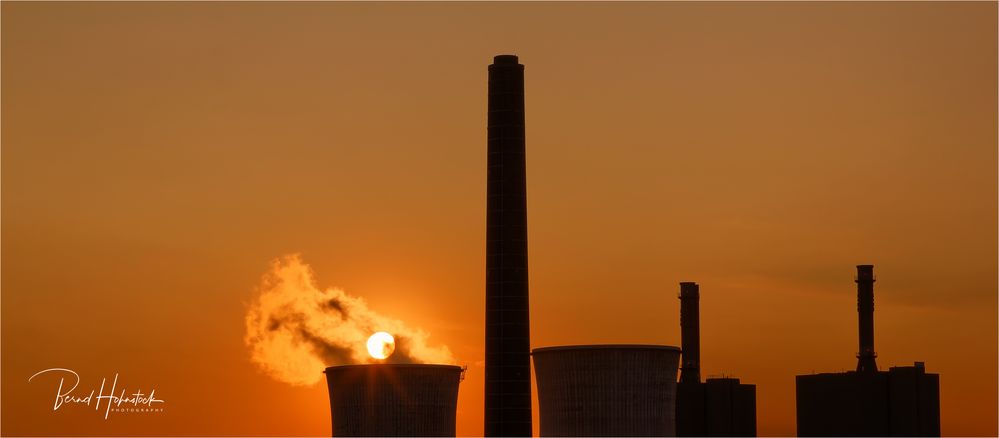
[381, 345]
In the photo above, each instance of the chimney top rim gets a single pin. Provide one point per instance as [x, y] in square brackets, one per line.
[506, 59]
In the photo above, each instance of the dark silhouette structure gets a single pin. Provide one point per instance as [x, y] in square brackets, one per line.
[606, 390]
[393, 399]
[690, 332]
[508, 361]
[865, 318]
[719, 406]
[903, 401]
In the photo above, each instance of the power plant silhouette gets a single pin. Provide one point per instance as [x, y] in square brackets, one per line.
[607, 390]
[718, 406]
[903, 401]
[583, 390]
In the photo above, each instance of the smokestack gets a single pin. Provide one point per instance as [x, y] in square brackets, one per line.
[865, 310]
[508, 360]
[690, 333]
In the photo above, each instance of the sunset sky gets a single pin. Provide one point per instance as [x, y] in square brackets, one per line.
[158, 157]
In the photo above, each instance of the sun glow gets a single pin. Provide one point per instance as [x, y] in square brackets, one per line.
[381, 345]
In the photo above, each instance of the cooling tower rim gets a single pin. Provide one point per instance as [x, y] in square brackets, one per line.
[393, 365]
[605, 347]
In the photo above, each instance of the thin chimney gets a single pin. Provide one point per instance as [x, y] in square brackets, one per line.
[865, 310]
[508, 343]
[690, 333]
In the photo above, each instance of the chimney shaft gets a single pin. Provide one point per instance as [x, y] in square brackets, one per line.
[508, 360]
[690, 333]
[865, 310]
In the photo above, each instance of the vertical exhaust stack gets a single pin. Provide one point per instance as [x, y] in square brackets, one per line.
[865, 310]
[690, 333]
[508, 345]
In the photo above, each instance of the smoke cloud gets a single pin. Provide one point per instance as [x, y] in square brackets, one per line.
[295, 330]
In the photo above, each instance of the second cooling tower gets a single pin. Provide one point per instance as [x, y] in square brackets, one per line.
[607, 390]
[393, 399]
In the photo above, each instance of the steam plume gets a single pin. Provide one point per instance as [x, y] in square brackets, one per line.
[295, 330]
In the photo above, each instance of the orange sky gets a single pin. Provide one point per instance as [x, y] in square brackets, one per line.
[157, 157]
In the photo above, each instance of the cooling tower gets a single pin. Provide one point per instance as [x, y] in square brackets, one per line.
[607, 390]
[393, 399]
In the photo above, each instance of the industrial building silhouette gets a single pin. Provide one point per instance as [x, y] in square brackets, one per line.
[903, 401]
[583, 390]
[607, 390]
[719, 406]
